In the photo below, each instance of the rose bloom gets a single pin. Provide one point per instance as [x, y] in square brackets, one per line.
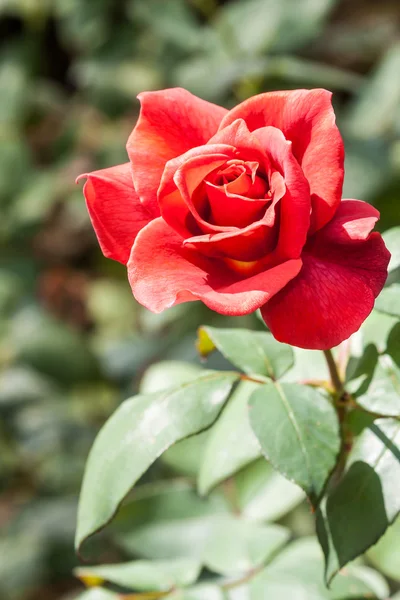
[242, 210]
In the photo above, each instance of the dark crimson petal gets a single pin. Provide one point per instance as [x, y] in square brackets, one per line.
[162, 274]
[344, 269]
[115, 210]
[170, 122]
[307, 119]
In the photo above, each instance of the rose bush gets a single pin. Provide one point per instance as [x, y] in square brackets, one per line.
[242, 210]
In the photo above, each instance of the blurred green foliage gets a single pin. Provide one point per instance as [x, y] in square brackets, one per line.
[73, 343]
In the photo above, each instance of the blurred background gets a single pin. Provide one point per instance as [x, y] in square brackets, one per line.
[73, 342]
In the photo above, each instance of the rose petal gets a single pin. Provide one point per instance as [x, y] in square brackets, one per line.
[237, 134]
[115, 210]
[307, 119]
[228, 208]
[250, 243]
[170, 122]
[343, 272]
[182, 176]
[162, 273]
[296, 202]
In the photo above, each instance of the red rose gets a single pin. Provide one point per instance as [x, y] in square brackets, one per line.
[242, 210]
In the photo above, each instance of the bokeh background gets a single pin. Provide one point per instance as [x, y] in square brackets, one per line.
[73, 342]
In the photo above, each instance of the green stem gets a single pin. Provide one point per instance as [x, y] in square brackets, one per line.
[333, 371]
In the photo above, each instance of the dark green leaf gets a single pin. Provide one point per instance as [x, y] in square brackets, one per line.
[231, 443]
[393, 345]
[251, 351]
[360, 371]
[298, 431]
[356, 513]
[136, 435]
[144, 575]
[389, 300]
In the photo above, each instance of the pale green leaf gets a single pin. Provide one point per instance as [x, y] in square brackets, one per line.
[144, 575]
[263, 494]
[198, 592]
[236, 546]
[231, 443]
[167, 520]
[167, 373]
[383, 393]
[392, 240]
[251, 351]
[376, 108]
[136, 435]
[385, 555]
[297, 574]
[388, 300]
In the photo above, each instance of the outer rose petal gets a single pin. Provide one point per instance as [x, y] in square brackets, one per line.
[115, 210]
[162, 273]
[343, 272]
[170, 122]
[307, 119]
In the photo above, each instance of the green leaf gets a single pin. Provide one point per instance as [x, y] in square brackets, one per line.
[144, 575]
[383, 393]
[199, 592]
[52, 348]
[136, 435]
[298, 431]
[98, 593]
[308, 365]
[263, 494]
[375, 109]
[167, 519]
[251, 351]
[356, 513]
[297, 574]
[231, 443]
[257, 25]
[375, 330]
[393, 345]
[392, 241]
[385, 555]
[186, 456]
[360, 371]
[175, 523]
[166, 374]
[388, 300]
[236, 546]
